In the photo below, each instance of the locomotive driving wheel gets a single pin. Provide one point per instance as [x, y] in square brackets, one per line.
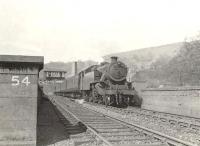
[127, 101]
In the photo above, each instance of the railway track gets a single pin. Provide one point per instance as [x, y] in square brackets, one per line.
[112, 131]
[172, 119]
[169, 127]
[79, 134]
[182, 121]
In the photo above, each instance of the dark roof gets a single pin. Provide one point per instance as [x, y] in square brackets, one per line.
[20, 58]
[54, 70]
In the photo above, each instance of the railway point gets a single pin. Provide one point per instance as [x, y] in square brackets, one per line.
[19, 99]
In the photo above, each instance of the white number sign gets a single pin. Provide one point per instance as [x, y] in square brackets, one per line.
[16, 81]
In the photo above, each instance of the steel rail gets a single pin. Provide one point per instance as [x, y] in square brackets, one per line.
[169, 117]
[88, 127]
[178, 141]
[163, 114]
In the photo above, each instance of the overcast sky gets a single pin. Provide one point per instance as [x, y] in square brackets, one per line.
[66, 30]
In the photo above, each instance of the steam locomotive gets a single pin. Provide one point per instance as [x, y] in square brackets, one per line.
[105, 84]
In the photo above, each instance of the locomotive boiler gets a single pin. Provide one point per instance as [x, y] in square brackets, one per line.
[105, 83]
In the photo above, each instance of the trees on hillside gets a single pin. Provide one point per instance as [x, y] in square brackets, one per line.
[183, 69]
[185, 66]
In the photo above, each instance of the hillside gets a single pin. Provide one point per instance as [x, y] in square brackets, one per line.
[143, 58]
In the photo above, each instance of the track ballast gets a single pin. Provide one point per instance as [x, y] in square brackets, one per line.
[112, 131]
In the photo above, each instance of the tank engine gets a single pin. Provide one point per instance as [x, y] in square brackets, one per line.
[113, 88]
[105, 83]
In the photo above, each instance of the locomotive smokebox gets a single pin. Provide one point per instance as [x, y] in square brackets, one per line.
[113, 59]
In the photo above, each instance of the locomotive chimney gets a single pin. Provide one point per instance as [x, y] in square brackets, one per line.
[114, 59]
[74, 68]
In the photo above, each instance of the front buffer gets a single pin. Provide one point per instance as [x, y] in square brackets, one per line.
[118, 97]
